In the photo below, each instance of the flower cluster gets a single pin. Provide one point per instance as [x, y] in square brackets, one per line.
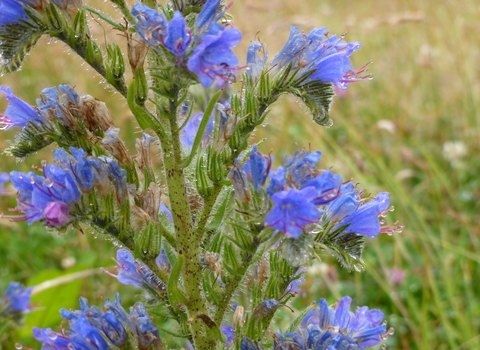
[16, 299]
[50, 197]
[52, 104]
[327, 328]
[303, 195]
[211, 56]
[94, 328]
[326, 58]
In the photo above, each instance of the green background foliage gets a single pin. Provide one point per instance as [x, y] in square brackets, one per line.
[390, 134]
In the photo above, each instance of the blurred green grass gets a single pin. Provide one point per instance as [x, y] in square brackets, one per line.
[394, 133]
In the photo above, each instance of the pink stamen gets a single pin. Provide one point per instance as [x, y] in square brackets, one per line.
[109, 273]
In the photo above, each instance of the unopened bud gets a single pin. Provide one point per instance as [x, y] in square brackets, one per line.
[227, 124]
[56, 213]
[238, 316]
[239, 179]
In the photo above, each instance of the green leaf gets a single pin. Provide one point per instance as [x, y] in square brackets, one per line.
[175, 295]
[218, 213]
[144, 118]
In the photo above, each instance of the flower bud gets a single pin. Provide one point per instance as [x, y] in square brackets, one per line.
[56, 213]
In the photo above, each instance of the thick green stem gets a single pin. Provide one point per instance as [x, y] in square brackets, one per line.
[187, 243]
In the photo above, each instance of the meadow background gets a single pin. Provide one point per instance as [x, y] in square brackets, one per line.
[413, 131]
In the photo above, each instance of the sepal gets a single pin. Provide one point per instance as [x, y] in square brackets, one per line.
[115, 66]
[346, 248]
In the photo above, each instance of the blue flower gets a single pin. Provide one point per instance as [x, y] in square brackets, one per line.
[344, 205]
[325, 328]
[105, 322]
[4, 177]
[213, 56]
[80, 336]
[54, 102]
[290, 53]
[208, 14]
[90, 326]
[151, 25]
[18, 112]
[162, 261]
[17, 297]
[146, 333]
[130, 271]
[259, 168]
[327, 55]
[189, 131]
[277, 181]
[12, 11]
[293, 210]
[45, 197]
[327, 186]
[365, 219]
[229, 332]
[248, 344]
[118, 176]
[179, 37]
[300, 168]
[254, 62]
[166, 211]
[50, 197]
[239, 179]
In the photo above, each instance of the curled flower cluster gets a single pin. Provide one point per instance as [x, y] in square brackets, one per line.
[327, 56]
[303, 195]
[211, 56]
[327, 328]
[94, 328]
[50, 197]
[16, 299]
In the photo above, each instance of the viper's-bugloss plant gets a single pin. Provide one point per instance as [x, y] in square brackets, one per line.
[214, 214]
